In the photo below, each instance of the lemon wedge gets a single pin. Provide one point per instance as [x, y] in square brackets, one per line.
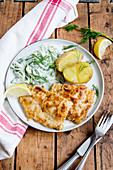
[100, 47]
[17, 90]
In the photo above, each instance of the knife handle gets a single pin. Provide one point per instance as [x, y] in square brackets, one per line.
[82, 162]
[66, 165]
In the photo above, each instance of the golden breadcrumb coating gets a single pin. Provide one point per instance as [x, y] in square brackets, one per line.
[81, 97]
[45, 107]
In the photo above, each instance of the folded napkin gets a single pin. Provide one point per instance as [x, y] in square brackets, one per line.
[37, 24]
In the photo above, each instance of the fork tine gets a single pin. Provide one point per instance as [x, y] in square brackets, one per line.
[102, 117]
[107, 118]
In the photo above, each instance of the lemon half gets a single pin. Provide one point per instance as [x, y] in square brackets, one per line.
[17, 90]
[100, 47]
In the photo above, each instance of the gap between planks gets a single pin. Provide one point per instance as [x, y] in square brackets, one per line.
[15, 157]
[55, 147]
[90, 44]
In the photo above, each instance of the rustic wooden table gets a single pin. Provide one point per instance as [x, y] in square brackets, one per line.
[40, 150]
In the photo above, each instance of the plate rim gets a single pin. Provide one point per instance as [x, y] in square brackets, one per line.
[85, 120]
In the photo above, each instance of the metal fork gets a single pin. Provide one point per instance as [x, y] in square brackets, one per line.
[102, 127]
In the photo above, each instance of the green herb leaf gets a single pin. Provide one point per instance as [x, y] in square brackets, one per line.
[70, 27]
[96, 92]
[52, 57]
[82, 67]
[90, 62]
[86, 33]
[53, 66]
[29, 58]
[20, 60]
[69, 46]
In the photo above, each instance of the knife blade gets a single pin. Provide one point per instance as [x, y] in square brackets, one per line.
[83, 148]
[80, 152]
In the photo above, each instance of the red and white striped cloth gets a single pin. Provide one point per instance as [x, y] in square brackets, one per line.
[38, 24]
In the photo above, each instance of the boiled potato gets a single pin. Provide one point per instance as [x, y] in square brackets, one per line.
[68, 58]
[78, 73]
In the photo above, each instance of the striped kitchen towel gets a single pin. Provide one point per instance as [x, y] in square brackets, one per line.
[37, 24]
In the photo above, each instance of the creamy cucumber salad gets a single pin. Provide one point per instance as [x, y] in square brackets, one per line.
[37, 68]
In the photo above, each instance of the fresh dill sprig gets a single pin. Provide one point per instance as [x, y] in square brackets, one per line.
[82, 67]
[69, 46]
[70, 27]
[53, 66]
[96, 92]
[90, 62]
[86, 33]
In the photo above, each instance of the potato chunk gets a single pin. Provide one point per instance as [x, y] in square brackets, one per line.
[78, 73]
[67, 58]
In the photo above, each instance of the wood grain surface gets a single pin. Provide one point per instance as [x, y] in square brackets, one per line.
[47, 151]
[10, 13]
[101, 17]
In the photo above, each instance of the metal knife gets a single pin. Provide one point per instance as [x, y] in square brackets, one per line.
[80, 152]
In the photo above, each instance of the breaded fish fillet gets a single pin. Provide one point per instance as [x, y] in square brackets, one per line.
[81, 97]
[45, 107]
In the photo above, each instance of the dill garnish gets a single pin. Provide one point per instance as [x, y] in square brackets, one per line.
[90, 62]
[82, 67]
[86, 33]
[96, 92]
[69, 46]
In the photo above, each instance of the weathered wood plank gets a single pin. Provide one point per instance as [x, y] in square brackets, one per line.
[7, 164]
[82, 20]
[25, 0]
[36, 149]
[67, 143]
[29, 6]
[10, 13]
[101, 17]
[89, 1]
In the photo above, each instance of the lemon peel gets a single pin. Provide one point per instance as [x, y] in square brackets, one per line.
[17, 90]
[100, 47]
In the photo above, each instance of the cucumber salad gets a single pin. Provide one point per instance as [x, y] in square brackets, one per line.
[37, 68]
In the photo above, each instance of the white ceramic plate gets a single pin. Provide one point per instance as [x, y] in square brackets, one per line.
[97, 80]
